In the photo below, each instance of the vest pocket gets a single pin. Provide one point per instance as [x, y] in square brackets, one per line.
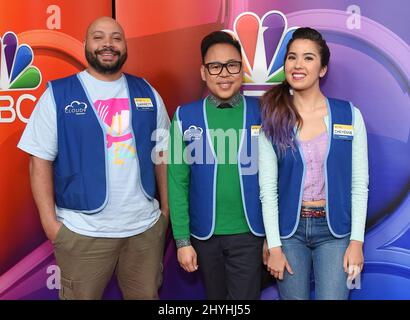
[69, 191]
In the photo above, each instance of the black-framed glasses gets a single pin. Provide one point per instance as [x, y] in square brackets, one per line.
[215, 68]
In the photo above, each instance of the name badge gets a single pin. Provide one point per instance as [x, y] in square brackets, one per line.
[342, 131]
[255, 130]
[144, 104]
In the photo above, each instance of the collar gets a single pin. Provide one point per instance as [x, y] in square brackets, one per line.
[234, 101]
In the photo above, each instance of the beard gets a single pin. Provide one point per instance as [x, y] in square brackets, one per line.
[92, 59]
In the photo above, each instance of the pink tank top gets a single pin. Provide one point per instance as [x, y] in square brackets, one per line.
[314, 152]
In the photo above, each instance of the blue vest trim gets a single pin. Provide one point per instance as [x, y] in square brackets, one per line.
[300, 192]
[215, 159]
[80, 177]
[199, 222]
[293, 167]
[105, 152]
[148, 180]
[240, 165]
[330, 133]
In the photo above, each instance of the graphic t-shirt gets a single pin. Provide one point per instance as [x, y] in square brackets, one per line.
[128, 211]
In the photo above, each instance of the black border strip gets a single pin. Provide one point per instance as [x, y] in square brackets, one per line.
[113, 13]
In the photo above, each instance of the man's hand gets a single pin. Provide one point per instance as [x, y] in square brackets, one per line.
[51, 229]
[165, 213]
[187, 258]
[41, 178]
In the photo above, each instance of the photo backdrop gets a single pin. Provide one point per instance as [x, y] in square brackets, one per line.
[369, 40]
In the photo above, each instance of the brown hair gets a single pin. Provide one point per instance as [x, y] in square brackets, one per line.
[279, 114]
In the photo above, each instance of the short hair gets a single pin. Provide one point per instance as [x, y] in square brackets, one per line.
[217, 37]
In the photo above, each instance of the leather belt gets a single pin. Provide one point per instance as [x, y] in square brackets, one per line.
[313, 212]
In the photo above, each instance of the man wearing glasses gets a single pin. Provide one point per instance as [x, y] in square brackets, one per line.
[213, 181]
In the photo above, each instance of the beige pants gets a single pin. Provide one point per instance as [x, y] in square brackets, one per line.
[87, 263]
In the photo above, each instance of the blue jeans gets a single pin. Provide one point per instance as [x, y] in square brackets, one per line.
[313, 246]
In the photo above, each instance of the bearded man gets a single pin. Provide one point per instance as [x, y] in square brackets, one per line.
[92, 175]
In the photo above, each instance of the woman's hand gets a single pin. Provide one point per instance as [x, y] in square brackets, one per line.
[353, 259]
[277, 263]
[265, 252]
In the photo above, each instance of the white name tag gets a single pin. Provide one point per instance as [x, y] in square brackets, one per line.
[343, 131]
[144, 104]
[255, 130]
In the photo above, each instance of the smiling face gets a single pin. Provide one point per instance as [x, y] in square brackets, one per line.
[105, 47]
[225, 85]
[303, 67]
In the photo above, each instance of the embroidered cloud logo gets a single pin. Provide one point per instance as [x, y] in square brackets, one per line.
[264, 44]
[76, 107]
[16, 71]
[193, 133]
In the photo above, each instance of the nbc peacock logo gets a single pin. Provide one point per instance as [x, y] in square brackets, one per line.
[264, 44]
[16, 70]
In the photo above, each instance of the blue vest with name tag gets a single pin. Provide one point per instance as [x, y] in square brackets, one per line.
[338, 177]
[203, 168]
[80, 168]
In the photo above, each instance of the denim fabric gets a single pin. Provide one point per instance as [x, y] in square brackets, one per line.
[314, 249]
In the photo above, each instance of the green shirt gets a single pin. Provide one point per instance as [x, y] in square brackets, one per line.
[225, 126]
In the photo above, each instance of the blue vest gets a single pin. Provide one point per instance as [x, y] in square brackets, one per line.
[80, 169]
[203, 168]
[338, 177]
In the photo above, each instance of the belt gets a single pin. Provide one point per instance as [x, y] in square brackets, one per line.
[312, 212]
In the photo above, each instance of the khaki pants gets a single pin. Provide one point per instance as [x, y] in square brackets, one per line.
[87, 263]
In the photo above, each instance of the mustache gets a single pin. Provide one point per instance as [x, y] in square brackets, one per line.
[105, 50]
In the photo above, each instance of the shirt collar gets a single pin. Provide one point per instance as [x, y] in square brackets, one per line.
[234, 101]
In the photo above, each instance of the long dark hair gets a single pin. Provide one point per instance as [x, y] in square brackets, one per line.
[279, 114]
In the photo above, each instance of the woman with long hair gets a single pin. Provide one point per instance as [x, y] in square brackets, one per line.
[313, 175]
